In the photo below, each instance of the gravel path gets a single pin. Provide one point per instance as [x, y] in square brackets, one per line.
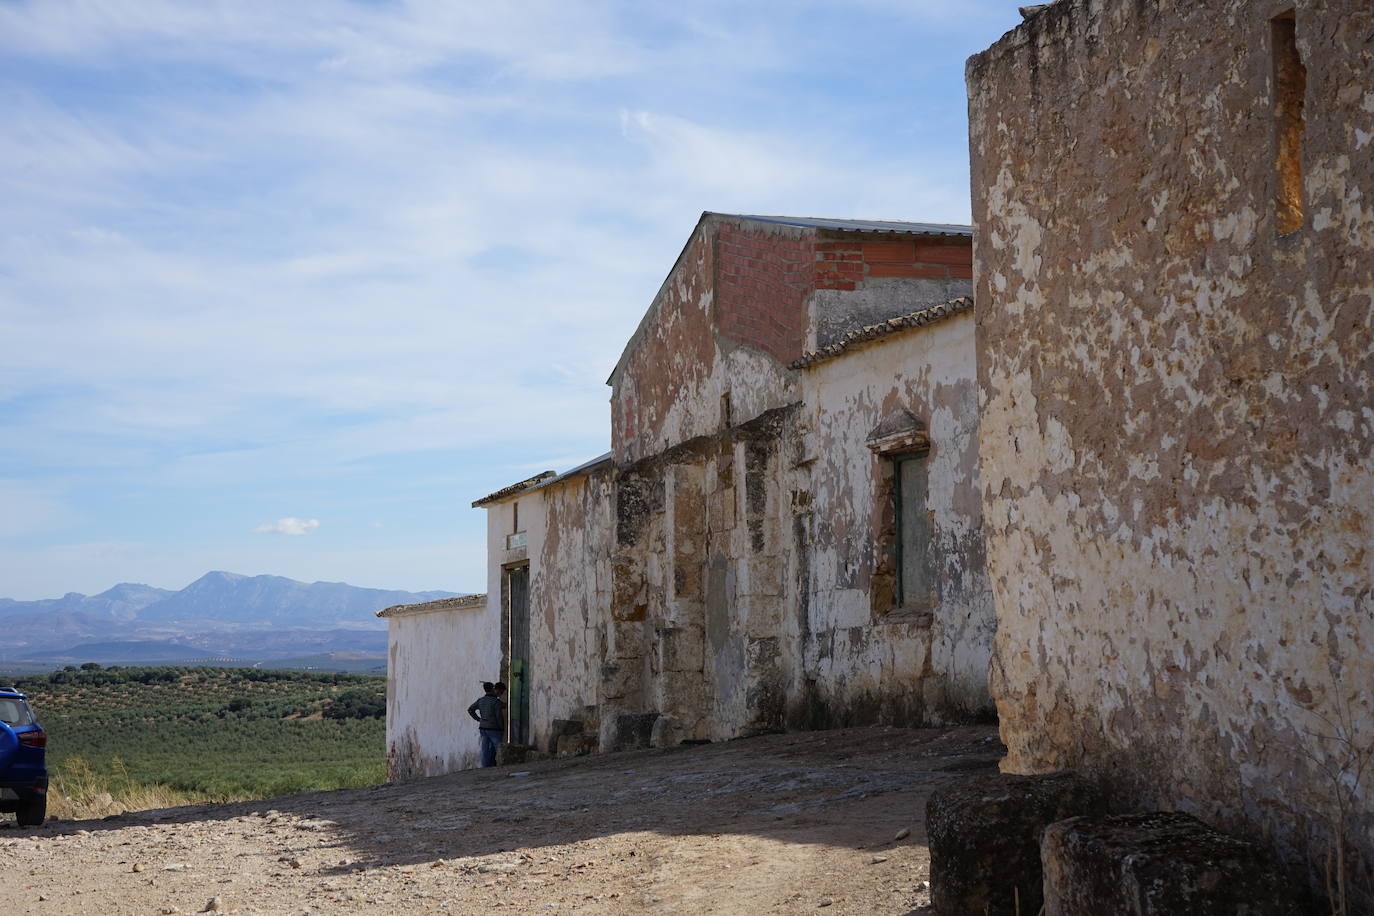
[796, 823]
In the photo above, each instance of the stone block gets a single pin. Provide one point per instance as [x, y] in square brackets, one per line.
[762, 654]
[563, 727]
[575, 745]
[628, 639]
[1160, 863]
[667, 731]
[634, 731]
[512, 753]
[984, 837]
[681, 649]
[623, 678]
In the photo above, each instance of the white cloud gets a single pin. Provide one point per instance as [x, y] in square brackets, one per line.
[289, 525]
[327, 239]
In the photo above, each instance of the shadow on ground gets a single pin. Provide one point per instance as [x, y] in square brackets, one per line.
[846, 788]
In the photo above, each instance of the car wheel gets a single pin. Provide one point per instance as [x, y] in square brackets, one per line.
[32, 813]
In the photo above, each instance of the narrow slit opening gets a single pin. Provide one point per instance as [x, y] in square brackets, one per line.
[1290, 84]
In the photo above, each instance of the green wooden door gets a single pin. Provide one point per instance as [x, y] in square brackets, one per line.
[518, 701]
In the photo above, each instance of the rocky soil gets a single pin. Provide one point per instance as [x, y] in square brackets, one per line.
[826, 822]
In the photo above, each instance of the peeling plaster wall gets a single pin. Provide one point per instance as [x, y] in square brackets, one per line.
[712, 595]
[520, 512]
[678, 358]
[863, 657]
[690, 349]
[743, 300]
[435, 669]
[1176, 428]
[570, 584]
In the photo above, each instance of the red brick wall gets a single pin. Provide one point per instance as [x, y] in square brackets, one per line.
[763, 278]
[762, 281]
[846, 263]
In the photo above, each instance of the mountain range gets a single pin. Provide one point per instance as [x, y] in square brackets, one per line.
[220, 615]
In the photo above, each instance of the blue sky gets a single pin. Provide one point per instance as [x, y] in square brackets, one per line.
[285, 286]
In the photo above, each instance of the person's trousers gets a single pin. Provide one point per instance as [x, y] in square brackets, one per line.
[491, 739]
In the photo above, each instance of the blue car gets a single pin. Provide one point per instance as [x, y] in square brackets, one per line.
[23, 760]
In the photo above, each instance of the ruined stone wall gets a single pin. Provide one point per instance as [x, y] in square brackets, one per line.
[570, 541]
[866, 659]
[1176, 427]
[698, 585]
[435, 667]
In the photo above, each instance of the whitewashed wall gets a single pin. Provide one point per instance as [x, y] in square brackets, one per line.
[436, 662]
[855, 655]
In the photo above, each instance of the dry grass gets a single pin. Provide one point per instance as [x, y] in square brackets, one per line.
[79, 792]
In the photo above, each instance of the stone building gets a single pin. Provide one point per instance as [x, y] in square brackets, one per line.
[786, 531]
[548, 561]
[1175, 286]
[437, 653]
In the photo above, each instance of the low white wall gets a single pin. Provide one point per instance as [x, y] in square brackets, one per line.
[436, 663]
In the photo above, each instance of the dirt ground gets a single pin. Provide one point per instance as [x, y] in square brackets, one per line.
[795, 823]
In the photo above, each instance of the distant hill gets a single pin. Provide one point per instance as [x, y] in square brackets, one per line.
[122, 602]
[225, 597]
[219, 614]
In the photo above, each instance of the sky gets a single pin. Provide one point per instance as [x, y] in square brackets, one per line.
[284, 287]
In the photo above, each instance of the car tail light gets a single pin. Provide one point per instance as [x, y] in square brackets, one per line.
[33, 739]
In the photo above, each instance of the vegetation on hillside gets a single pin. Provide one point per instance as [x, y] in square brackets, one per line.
[170, 734]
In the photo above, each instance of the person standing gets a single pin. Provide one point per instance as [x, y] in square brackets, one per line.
[490, 713]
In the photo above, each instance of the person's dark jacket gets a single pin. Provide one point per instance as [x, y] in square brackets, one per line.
[490, 713]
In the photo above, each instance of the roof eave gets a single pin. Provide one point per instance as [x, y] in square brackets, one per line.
[465, 603]
[911, 321]
[514, 489]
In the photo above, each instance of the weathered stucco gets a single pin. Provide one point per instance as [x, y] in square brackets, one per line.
[861, 648]
[438, 656]
[689, 585]
[743, 300]
[1176, 421]
[569, 590]
[679, 582]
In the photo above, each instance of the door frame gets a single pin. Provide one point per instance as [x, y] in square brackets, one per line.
[515, 636]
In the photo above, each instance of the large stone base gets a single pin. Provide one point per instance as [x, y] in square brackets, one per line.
[576, 745]
[561, 727]
[984, 837]
[1162, 863]
[507, 754]
[634, 731]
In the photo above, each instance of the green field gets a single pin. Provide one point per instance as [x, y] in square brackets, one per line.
[205, 734]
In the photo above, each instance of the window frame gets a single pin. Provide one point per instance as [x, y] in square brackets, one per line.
[902, 538]
[899, 437]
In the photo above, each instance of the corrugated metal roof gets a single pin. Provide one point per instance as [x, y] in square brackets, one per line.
[858, 225]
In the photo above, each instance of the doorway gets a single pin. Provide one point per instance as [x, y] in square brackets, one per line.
[517, 627]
